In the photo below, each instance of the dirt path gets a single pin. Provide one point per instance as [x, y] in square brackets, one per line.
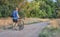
[28, 31]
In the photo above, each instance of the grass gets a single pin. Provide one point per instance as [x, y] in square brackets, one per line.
[50, 32]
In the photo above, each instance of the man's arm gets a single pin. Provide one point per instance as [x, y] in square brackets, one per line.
[18, 16]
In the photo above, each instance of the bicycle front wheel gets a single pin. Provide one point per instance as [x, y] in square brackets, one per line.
[21, 25]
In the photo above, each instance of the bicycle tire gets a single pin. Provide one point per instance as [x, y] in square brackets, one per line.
[21, 25]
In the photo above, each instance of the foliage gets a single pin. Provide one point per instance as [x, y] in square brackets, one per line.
[50, 32]
[36, 8]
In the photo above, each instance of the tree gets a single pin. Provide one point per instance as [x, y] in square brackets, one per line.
[6, 6]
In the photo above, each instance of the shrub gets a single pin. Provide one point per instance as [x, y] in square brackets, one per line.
[49, 32]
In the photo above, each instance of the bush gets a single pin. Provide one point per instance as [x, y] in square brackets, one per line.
[50, 32]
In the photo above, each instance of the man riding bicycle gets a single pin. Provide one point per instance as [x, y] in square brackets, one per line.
[15, 17]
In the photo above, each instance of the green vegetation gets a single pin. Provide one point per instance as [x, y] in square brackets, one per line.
[36, 8]
[50, 32]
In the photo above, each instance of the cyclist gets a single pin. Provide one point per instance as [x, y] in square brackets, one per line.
[15, 17]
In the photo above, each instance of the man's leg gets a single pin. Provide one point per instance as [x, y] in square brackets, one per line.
[13, 24]
[16, 23]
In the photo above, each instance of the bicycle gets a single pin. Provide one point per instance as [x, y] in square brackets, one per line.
[20, 25]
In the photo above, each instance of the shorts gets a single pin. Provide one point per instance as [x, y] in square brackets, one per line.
[15, 20]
